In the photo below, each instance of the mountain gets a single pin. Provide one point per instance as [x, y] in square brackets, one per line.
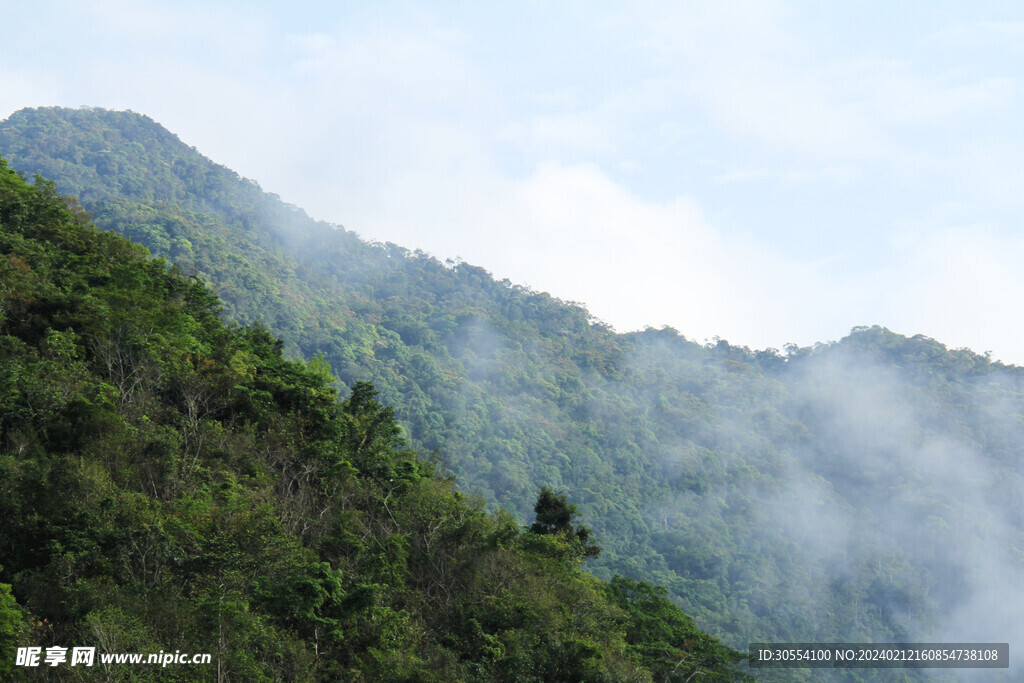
[171, 483]
[866, 489]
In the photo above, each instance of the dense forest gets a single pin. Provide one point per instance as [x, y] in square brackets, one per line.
[171, 482]
[868, 489]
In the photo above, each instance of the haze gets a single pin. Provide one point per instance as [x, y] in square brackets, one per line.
[763, 172]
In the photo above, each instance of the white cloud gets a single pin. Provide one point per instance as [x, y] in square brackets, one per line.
[768, 75]
[747, 65]
[412, 127]
[577, 131]
[572, 231]
[961, 286]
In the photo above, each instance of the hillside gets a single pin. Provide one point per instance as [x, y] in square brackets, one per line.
[867, 489]
[170, 482]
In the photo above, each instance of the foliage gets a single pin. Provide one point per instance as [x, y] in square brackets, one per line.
[555, 516]
[171, 482]
[12, 628]
[777, 496]
[657, 628]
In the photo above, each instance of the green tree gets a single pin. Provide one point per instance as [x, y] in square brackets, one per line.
[11, 629]
[667, 641]
[556, 516]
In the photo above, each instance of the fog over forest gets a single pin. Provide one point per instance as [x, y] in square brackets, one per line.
[864, 489]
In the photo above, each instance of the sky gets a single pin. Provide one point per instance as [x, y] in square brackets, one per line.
[762, 172]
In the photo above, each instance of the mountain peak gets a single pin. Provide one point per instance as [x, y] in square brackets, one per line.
[122, 154]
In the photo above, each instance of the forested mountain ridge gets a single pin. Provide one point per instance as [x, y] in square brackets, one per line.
[862, 490]
[169, 482]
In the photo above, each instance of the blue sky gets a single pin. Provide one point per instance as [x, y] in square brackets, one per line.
[764, 172]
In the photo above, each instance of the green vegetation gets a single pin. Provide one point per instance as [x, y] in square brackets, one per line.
[555, 516]
[170, 482]
[868, 489]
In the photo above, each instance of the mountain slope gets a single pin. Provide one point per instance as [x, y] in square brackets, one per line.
[172, 483]
[849, 491]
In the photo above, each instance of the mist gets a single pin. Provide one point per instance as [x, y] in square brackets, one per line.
[867, 490]
[862, 490]
[886, 504]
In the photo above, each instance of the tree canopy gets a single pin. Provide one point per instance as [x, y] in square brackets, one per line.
[557, 516]
[863, 489]
[172, 482]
